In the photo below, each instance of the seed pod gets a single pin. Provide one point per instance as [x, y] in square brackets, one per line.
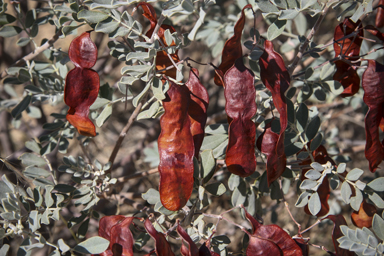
[349, 48]
[162, 59]
[176, 149]
[162, 247]
[240, 106]
[82, 84]
[379, 22]
[374, 98]
[232, 49]
[197, 109]
[276, 78]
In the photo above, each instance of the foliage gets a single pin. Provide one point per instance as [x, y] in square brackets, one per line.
[258, 141]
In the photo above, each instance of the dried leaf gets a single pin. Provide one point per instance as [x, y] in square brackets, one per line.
[374, 98]
[82, 84]
[197, 109]
[176, 149]
[162, 247]
[232, 47]
[240, 105]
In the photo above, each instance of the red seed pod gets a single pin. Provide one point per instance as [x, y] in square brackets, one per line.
[116, 230]
[267, 143]
[240, 106]
[363, 217]
[176, 149]
[374, 98]
[162, 247]
[162, 59]
[197, 109]
[276, 78]
[82, 84]
[232, 49]
[270, 240]
[379, 22]
[349, 48]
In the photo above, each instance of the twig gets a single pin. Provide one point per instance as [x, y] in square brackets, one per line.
[138, 175]
[305, 230]
[123, 134]
[169, 56]
[308, 39]
[157, 28]
[21, 62]
[287, 207]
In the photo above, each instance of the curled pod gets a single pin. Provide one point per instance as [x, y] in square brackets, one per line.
[232, 48]
[240, 94]
[82, 84]
[162, 247]
[176, 149]
[197, 109]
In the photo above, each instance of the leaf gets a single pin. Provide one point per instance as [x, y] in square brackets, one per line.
[16, 111]
[29, 159]
[9, 31]
[378, 226]
[176, 150]
[374, 98]
[377, 184]
[208, 165]
[104, 115]
[216, 188]
[240, 106]
[93, 245]
[354, 174]
[162, 247]
[232, 48]
[267, 239]
[275, 29]
[82, 84]
[314, 204]
[197, 109]
[106, 26]
[92, 16]
[346, 192]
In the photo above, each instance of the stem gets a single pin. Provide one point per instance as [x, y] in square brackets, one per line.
[123, 134]
[21, 62]
[138, 175]
[157, 28]
[308, 39]
[169, 56]
[314, 224]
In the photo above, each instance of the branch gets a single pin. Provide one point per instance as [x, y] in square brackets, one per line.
[123, 133]
[304, 46]
[21, 62]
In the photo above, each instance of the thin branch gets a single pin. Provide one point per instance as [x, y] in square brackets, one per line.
[138, 175]
[157, 28]
[123, 133]
[304, 46]
[21, 62]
